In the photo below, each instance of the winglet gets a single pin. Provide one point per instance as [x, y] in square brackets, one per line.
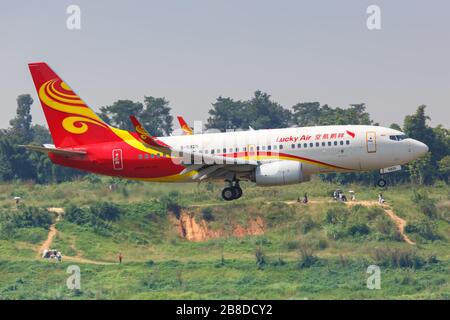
[187, 130]
[144, 136]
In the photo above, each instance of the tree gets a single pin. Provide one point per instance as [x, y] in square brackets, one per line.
[41, 135]
[20, 130]
[156, 116]
[421, 170]
[415, 127]
[227, 113]
[306, 113]
[444, 168]
[312, 114]
[395, 126]
[118, 114]
[263, 113]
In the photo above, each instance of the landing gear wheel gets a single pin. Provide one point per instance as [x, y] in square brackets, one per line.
[228, 193]
[237, 192]
[381, 183]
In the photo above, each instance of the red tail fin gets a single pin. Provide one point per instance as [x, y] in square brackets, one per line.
[186, 129]
[70, 120]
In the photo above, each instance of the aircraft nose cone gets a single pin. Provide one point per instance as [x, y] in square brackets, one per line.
[420, 148]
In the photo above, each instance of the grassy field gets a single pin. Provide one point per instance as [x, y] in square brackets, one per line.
[315, 251]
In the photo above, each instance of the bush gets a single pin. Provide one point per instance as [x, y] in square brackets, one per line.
[307, 258]
[105, 211]
[322, 244]
[32, 217]
[207, 214]
[260, 258]
[171, 204]
[98, 217]
[387, 228]
[292, 245]
[398, 258]
[425, 228]
[426, 205]
[336, 215]
[306, 224]
[358, 229]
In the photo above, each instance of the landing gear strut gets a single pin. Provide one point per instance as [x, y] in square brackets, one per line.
[232, 192]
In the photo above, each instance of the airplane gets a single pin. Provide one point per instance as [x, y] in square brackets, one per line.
[268, 157]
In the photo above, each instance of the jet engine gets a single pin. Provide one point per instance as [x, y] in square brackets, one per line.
[279, 173]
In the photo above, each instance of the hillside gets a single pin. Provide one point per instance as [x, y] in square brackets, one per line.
[182, 241]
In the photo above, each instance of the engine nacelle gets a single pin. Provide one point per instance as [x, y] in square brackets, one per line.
[279, 173]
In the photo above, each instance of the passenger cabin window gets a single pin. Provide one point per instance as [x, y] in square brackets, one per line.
[398, 137]
[335, 143]
[311, 144]
[347, 142]
[269, 147]
[329, 143]
[341, 143]
[317, 144]
[323, 144]
[305, 145]
[292, 146]
[281, 146]
[299, 145]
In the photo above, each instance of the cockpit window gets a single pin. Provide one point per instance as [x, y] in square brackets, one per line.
[398, 137]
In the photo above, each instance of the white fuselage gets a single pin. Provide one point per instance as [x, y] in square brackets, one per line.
[321, 149]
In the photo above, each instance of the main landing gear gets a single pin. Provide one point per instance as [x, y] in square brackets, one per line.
[232, 192]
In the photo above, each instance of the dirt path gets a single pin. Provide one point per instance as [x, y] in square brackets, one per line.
[52, 232]
[399, 222]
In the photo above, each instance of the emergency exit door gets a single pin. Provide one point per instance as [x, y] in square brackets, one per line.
[371, 142]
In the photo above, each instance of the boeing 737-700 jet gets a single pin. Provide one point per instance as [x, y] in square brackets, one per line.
[83, 141]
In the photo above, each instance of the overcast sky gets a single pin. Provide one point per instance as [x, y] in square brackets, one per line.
[193, 51]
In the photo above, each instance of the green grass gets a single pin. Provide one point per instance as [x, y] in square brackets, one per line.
[160, 265]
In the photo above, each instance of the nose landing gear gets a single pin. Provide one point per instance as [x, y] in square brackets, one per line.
[381, 183]
[232, 192]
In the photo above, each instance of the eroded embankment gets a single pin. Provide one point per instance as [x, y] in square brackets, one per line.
[193, 229]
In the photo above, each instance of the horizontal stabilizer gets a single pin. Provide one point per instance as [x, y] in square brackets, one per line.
[50, 148]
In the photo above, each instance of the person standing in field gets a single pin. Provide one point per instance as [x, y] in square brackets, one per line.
[120, 257]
